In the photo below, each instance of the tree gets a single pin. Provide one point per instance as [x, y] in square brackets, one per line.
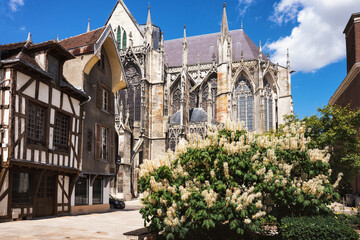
[338, 129]
[233, 181]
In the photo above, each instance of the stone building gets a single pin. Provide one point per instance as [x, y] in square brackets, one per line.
[98, 71]
[179, 86]
[348, 91]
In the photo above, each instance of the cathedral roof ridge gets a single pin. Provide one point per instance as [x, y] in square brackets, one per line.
[206, 34]
[206, 45]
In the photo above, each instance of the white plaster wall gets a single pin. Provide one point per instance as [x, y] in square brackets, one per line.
[56, 97]
[21, 80]
[66, 187]
[41, 60]
[43, 92]
[4, 202]
[30, 90]
[76, 104]
[52, 116]
[72, 199]
[59, 191]
[66, 104]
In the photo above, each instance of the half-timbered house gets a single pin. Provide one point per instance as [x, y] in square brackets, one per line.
[98, 71]
[40, 130]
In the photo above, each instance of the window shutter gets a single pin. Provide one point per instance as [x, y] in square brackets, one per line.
[111, 102]
[99, 96]
[97, 141]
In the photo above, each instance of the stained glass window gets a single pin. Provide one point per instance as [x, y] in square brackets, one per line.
[124, 40]
[205, 95]
[244, 101]
[268, 106]
[118, 37]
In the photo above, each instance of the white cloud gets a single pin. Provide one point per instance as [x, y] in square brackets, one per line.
[318, 38]
[243, 5]
[15, 4]
[22, 28]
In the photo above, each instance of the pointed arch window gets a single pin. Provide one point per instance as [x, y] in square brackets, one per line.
[124, 40]
[118, 37]
[268, 106]
[205, 98]
[175, 98]
[244, 102]
[131, 96]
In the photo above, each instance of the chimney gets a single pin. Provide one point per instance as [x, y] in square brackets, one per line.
[352, 37]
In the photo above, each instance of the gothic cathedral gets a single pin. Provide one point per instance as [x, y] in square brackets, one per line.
[179, 86]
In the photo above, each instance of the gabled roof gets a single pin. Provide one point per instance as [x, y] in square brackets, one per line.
[205, 46]
[12, 46]
[82, 40]
[128, 12]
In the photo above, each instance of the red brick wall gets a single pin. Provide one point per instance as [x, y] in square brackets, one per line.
[353, 44]
[351, 95]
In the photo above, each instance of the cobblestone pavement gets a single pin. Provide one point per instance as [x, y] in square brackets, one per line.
[109, 225]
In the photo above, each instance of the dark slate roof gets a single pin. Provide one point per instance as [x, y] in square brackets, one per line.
[85, 39]
[196, 115]
[206, 45]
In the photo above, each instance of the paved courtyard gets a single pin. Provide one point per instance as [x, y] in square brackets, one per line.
[109, 225]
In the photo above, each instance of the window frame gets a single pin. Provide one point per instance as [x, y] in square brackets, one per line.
[55, 75]
[104, 155]
[43, 124]
[82, 202]
[29, 192]
[101, 191]
[59, 146]
[105, 100]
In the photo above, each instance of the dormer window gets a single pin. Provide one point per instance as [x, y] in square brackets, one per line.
[53, 67]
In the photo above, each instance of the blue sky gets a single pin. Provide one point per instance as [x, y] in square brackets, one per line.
[311, 29]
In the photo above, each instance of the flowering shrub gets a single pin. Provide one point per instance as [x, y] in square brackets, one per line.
[235, 180]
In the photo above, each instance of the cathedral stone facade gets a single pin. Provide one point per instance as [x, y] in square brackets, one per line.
[179, 86]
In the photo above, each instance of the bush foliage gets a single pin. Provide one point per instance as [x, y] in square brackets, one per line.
[337, 128]
[316, 228]
[235, 180]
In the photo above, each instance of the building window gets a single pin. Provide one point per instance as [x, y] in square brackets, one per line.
[104, 143]
[101, 62]
[118, 37]
[124, 40]
[97, 191]
[21, 188]
[36, 124]
[61, 131]
[81, 191]
[105, 100]
[243, 102]
[268, 107]
[53, 67]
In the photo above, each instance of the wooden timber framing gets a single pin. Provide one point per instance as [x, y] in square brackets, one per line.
[50, 169]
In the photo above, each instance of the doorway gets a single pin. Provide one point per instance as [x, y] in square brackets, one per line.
[45, 203]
